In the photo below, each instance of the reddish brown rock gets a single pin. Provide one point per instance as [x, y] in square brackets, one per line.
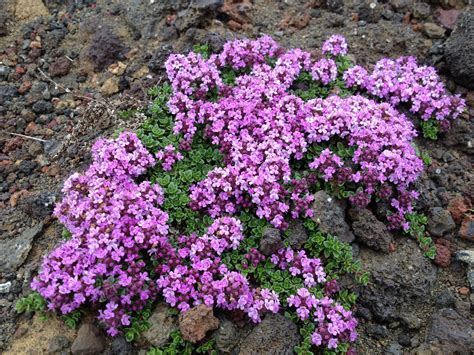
[300, 21]
[467, 228]
[195, 323]
[443, 255]
[458, 206]
[447, 18]
[60, 67]
[237, 10]
[234, 25]
[24, 87]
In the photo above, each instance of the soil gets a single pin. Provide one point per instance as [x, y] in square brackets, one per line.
[68, 67]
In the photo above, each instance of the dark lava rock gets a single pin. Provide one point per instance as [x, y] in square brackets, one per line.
[369, 230]
[89, 340]
[369, 10]
[335, 6]
[399, 280]
[3, 24]
[106, 48]
[42, 106]
[156, 63]
[440, 222]
[60, 67]
[227, 336]
[7, 92]
[120, 346]
[38, 205]
[274, 335]
[4, 72]
[14, 251]
[445, 299]
[421, 10]
[329, 213]
[271, 241]
[58, 343]
[459, 50]
[377, 331]
[297, 235]
[452, 331]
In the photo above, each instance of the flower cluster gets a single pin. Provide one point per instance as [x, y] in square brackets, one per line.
[261, 128]
[113, 222]
[168, 156]
[298, 263]
[384, 154]
[334, 323]
[196, 275]
[404, 81]
[335, 45]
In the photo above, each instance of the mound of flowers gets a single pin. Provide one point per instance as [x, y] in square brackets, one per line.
[282, 133]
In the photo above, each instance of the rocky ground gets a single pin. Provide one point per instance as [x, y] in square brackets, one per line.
[68, 67]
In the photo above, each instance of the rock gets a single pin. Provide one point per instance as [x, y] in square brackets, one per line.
[227, 336]
[335, 5]
[195, 323]
[404, 339]
[458, 206]
[411, 321]
[89, 340]
[447, 18]
[162, 324]
[297, 235]
[394, 349]
[451, 331]
[38, 205]
[329, 213]
[237, 10]
[58, 343]
[467, 228]
[120, 346]
[399, 280]
[117, 68]
[7, 92]
[4, 72]
[274, 335]
[466, 256]
[459, 49]
[369, 230]
[5, 287]
[271, 241]
[29, 9]
[42, 106]
[421, 10]
[443, 255]
[14, 251]
[377, 331]
[440, 222]
[335, 20]
[369, 10]
[106, 48]
[445, 299]
[110, 86]
[60, 67]
[432, 30]
[4, 24]
[207, 4]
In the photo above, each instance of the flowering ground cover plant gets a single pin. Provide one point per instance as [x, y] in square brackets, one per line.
[237, 142]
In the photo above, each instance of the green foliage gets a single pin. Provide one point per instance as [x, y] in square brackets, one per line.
[417, 230]
[177, 345]
[72, 319]
[156, 133]
[425, 157]
[203, 50]
[430, 129]
[66, 234]
[32, 303]
[139, 324]
[307, 88]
